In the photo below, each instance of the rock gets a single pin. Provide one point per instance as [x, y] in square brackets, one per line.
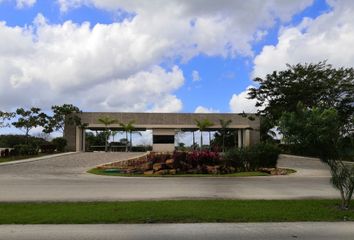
[279, 171]
[150, 172]
[162, 172]
[172, 171]
[193, 171]
[158, 166]
[147, 166]
[266, 170]
[212, 169]
[170, 163]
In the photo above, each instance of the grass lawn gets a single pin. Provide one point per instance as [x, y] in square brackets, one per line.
[14, 158]
[179, 211]
[240, 174]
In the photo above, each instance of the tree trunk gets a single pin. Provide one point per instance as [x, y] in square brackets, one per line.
[193, 140]
[209, 140]
[201, 139]
[126, 144]
[131, 142]
[223, 143]
[106, 143]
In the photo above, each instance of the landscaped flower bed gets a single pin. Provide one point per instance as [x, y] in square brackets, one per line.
[200, 162]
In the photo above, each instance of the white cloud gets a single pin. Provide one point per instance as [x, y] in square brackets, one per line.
[195, 76]
[240, 103]
[25, 3]
[225, 27]
[116, 66]
[327, 37]
[103, 67]
[201, 109]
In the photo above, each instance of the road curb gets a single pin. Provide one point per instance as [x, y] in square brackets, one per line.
[35, 159]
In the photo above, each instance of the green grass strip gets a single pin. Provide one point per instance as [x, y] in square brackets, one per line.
[181, 211]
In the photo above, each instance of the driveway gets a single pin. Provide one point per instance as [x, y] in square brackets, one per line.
[65, 179]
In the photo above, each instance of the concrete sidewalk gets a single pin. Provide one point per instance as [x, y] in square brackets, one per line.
[204, 231]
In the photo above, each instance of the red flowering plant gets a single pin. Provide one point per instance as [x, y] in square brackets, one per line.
[201, 158]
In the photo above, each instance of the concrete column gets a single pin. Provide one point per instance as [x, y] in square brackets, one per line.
[79, 139]
[246, 138]
[240, 138]
[83, 140]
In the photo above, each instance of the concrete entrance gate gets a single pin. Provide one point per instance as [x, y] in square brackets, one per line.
[164, 126]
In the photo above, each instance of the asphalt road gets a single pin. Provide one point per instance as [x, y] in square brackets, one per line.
[206, 231]
[65, 179]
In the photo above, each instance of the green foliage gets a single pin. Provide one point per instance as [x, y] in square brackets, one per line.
[9, 141]
[60, 143]
[128, 128]
[65, 114]
[5, 116]
[254, 157]
[29, 119]
[26, 149]
[47, 148]
[343, 180]
[313, 105]
[202, 125]
[95, 140]
[106, 121]
[314, 85]
[313, 131]
[224, 131]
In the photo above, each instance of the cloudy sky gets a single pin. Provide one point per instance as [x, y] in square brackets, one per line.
[161, 55]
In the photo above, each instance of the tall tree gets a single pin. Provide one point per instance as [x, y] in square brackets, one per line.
[314, 85]
[128, 128]
[313, 105]
[106, 121]
[5, 116]
[64, 114]
[224, 130]
[312, 131]
[202, 126]
[29, 119]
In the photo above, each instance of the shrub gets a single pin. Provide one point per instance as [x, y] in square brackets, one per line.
[60, 143]
[252, 158]
[47, 148]
[267, 154]
[9, 141]
[25, 149]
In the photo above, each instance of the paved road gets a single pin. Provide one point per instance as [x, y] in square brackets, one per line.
[207, 231]
[65, 179]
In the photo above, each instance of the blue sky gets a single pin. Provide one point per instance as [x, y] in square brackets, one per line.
[160, 56]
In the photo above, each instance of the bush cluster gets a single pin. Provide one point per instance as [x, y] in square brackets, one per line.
[262, 155]
[20, 145]
[25, 149]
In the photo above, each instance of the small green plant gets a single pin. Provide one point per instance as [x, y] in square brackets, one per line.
[343, 180]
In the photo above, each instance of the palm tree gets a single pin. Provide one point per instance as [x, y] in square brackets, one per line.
[106, 120]
[128, 128]
[223, 130]
[202, 126]
[113, 134]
